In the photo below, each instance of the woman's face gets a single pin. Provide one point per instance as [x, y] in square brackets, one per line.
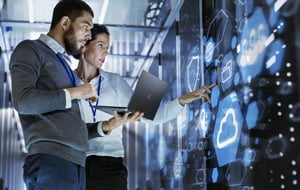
[97, 50]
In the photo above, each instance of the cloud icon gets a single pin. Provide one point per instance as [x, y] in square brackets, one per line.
[234, 126]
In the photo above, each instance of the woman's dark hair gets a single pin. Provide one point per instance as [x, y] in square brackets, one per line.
[70, 8]
[98, 29]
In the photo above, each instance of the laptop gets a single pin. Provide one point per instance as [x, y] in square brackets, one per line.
[146, 97]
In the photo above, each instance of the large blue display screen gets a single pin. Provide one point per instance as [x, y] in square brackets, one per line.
[247, 138]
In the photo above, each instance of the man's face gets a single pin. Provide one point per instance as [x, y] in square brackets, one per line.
[79, 32]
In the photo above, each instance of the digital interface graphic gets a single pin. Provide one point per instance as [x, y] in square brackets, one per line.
[247, 137]
[227, 129]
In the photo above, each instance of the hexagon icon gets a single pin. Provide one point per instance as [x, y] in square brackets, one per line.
[227, 129]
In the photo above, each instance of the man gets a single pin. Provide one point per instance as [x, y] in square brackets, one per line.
[45, 95]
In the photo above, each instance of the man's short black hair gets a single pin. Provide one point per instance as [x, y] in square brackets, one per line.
[70, 8]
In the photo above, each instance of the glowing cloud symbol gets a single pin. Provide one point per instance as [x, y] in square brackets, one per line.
[228, 125]
[233, 138]
[253, 44]
[253, 47]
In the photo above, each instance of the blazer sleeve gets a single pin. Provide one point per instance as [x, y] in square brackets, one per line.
[35, 88]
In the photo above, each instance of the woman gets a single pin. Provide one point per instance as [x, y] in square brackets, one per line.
[104, 163]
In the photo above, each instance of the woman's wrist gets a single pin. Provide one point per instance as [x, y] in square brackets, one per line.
[106, 127]
[181, 102]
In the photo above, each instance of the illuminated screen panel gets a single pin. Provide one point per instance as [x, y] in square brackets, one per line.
[251, 46]
[247, 138]
[250, 127]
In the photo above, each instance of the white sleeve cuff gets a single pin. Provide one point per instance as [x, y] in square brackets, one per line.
[68, 99]
[99, 129]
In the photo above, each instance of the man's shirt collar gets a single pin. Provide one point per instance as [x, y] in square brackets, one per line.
[52, 44]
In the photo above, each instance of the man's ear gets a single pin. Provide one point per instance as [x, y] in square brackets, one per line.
[82, 49]
[65, 23]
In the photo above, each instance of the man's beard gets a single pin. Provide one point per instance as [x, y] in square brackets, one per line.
[71, 43]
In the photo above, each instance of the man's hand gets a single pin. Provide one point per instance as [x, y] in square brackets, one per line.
[201, 93]
[118, 120]
[85, 91]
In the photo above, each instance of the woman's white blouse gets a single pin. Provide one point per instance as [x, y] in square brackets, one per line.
[115, 91]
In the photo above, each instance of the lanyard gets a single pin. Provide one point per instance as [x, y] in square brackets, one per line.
[98, 91]
[67, 68]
